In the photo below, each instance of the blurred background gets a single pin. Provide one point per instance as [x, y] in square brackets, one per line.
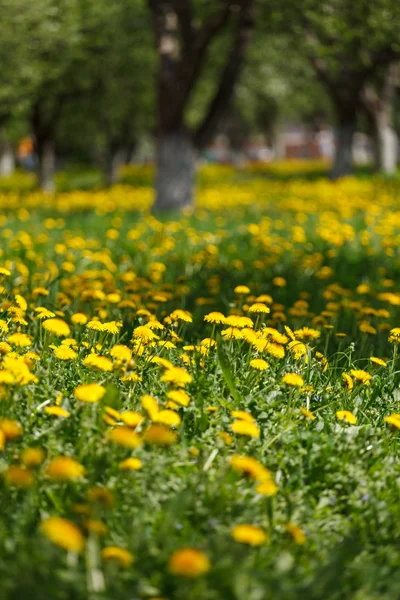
[91, 88]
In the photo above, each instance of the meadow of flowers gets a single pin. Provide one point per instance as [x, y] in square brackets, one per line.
[203, 407]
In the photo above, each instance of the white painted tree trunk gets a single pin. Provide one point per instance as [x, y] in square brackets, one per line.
[387, 150]
[7, 160]
[343, 161]
[113, 162]
[47, 166]
[175, 171]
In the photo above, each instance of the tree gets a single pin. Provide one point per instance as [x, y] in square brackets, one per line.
[18, 73]
[58, 53]
[378, 100]
[278, 85]
[346, 42]
[120, 63]
[184, 33]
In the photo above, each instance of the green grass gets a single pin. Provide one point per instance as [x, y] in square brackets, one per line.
[337, 482]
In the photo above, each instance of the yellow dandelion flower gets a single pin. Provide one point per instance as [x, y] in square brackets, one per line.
[232, 333]
[100, 495]
[393, 420]
[293, 380]
[346, 415]
[154, 324]
[394, 337]
[307, 334]
[64, 353]
[251, 467]
[215, 317]
[347, 381]
[94, 361]
[95, 325]
[249, 335]
[130, 464]
[21, 340]
[181, 315]
[298, 349]
[95, 526]
[18, 476]
[124, 436]
[378, 361]
[241, 290]
[259, 364]
[167, 417]
[176, 376]
[79, 319]
[6, 378]
[273, 335]
[144, 333]
[297, 533]
[56, 411]
[11, 429]
[4, 348]
[243, 415]
[290, 333]
[57, 326]
[44, 313]
[238, 321]
[361, 377]
[118, 555]
[249, 534]
[131, 378]
[163, 362]
[279, 281]
[131, 418]
[21, 302]
[112, 412]
[65, 468]
[275, 350]
[307, 413]
[89, 392]
[32, 457]
[63, 533]
[267, 488]
[259, 308]
[150, 405]
[121, 352]
[245, 428]
[225, 437]
[179, 397]
[159, 435]
[189, 562]
[112, 327]
[3, 326]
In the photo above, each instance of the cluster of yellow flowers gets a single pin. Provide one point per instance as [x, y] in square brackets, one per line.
[127, 344]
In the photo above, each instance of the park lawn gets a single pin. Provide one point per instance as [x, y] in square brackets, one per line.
[239, 435]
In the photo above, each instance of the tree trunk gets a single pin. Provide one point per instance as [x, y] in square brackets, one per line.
[130, 153]
[386, 148]
[384, 138]
[175, 171]
[343, 161]
[389, 150]
[7, 160]
[378, 106]
[47, 165]
[114, 160]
